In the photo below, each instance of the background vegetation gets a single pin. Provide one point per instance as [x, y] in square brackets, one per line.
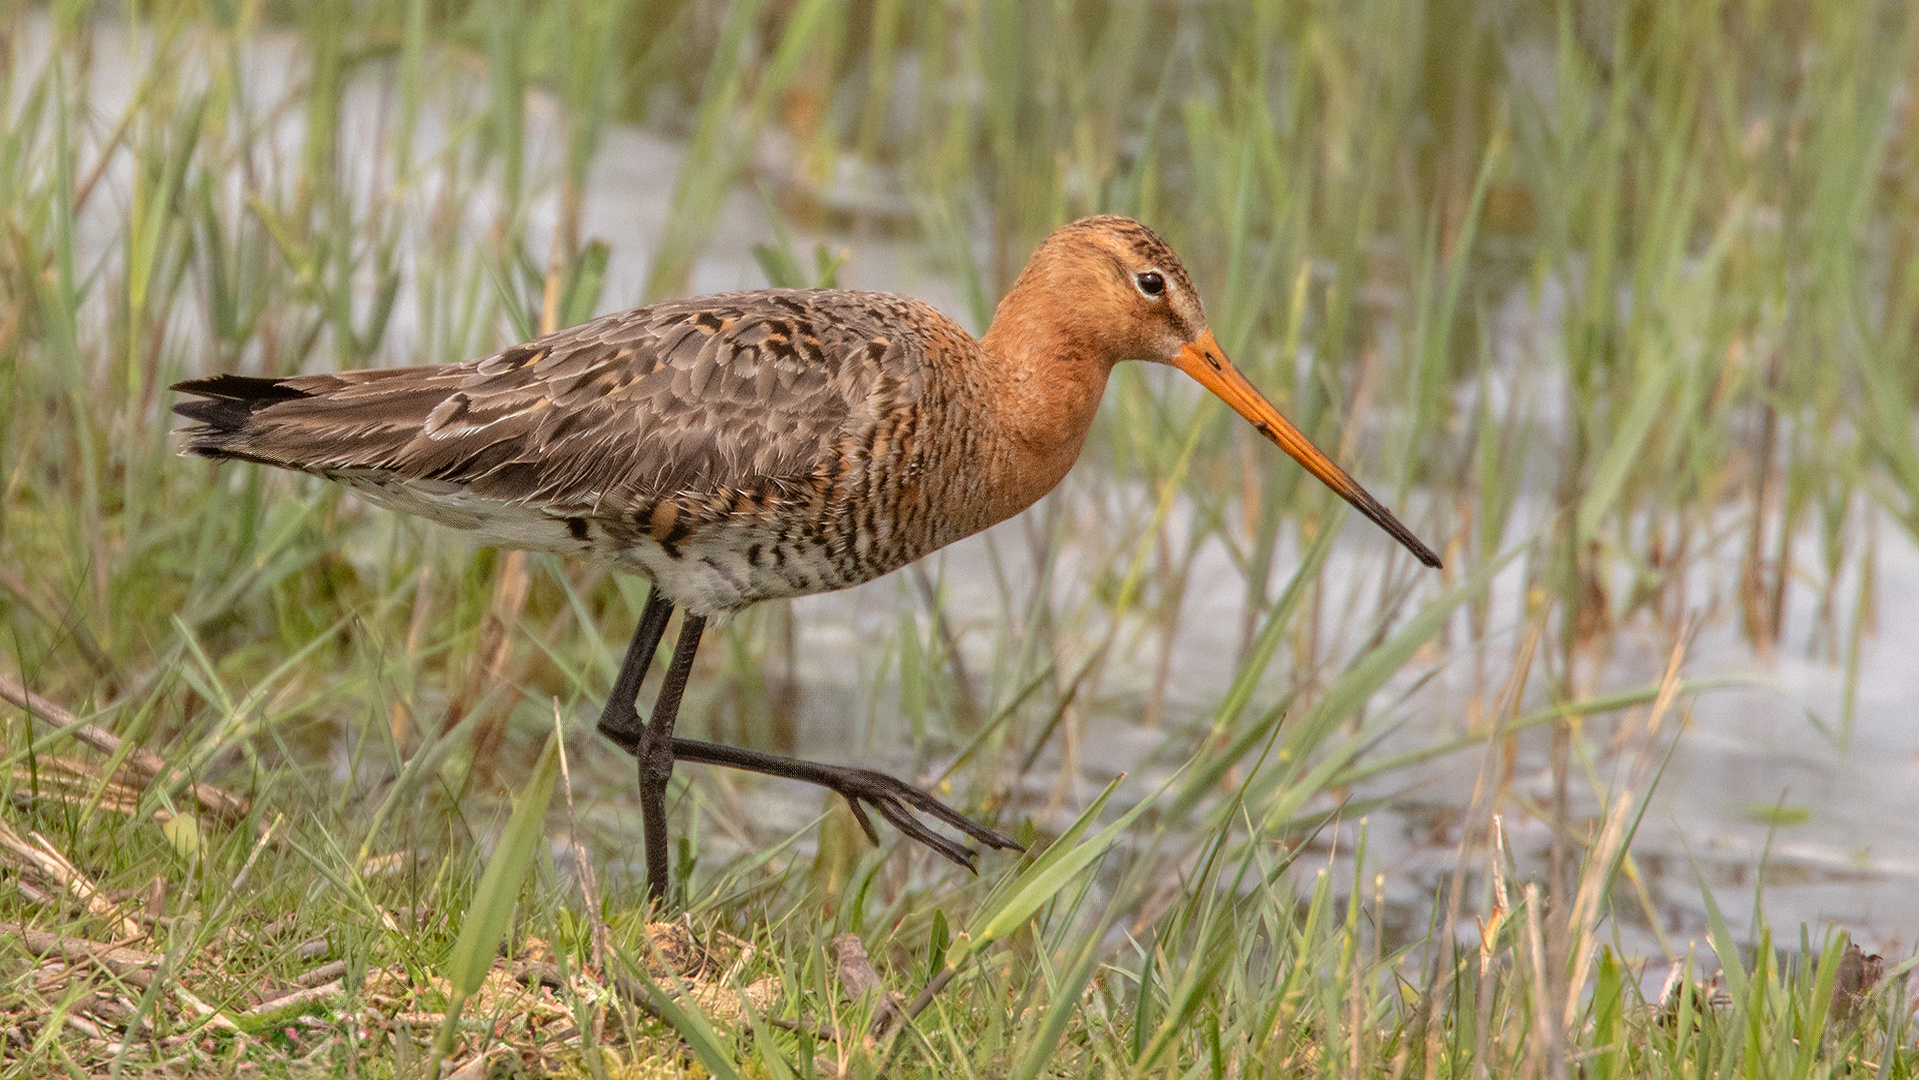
[1617, 302]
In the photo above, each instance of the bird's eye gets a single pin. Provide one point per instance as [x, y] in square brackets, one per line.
[1151, 284]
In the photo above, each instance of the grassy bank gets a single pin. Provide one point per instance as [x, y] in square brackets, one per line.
[1617, 303]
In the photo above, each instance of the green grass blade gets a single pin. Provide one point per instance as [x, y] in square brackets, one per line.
[692, 1025]
[491, 910]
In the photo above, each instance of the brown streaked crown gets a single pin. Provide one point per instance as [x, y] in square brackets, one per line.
[1080, 300]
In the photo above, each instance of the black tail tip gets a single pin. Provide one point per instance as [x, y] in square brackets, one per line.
[226, 401]
[240, 388]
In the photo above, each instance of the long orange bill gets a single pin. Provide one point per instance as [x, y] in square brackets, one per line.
[1204, 360]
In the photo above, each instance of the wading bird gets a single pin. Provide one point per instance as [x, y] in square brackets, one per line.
[752, 445]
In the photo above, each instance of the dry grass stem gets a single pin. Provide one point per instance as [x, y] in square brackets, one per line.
[146, 766]
[40, 855]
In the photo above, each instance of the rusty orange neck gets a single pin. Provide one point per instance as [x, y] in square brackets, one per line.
[1045, 384]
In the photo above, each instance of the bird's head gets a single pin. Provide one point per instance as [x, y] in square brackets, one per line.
[1107, 289]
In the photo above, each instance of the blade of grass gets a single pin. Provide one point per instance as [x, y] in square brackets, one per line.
[491, 911]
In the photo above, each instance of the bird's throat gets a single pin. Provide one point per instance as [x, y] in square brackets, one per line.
[1048, 394]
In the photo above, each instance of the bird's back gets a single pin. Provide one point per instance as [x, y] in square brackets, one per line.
[735, 447]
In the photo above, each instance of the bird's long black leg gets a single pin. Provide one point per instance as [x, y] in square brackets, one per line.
[896, 800]
[620, 721]
[656, 755]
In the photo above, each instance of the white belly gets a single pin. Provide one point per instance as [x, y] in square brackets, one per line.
[710, 574]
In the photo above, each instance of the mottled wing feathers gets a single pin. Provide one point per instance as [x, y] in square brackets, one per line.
[737, 391]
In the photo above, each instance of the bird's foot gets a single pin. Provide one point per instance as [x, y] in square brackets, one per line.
[896, 800]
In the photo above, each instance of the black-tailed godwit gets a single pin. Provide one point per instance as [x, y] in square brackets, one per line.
[746, 446]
